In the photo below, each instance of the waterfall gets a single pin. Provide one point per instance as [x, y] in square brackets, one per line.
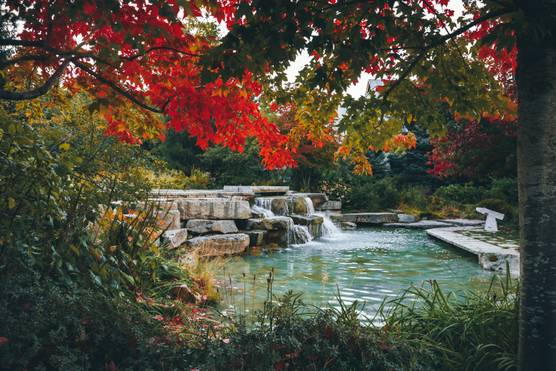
[328, 227]
[300, 234]
[310, 206]
[265, 203]
[267, 213]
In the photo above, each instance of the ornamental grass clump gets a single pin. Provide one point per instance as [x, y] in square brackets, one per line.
[425, 328]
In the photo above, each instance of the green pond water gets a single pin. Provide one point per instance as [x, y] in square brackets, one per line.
[365, 264]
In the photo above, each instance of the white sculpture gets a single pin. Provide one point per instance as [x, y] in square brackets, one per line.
[490, 224]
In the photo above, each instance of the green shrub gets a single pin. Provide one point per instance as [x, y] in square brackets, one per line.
[51, 328]
[372, 194]
[460, 193]
[505, 189]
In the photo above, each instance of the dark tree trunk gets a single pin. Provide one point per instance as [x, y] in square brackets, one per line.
[536, 83]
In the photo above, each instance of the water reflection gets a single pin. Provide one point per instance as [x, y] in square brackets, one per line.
[366, 265]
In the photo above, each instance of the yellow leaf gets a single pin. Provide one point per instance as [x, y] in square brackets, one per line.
[11, 203]
[64, 146]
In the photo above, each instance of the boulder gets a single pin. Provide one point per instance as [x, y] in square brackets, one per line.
[277, 237]
[370, 218]
[313, 222]
[330, 205]
[318, 198]
[175, 237]
[205, 226]
[214, 208]
[273, 223]
[256, 237]
[169, 219]
[218, 245]
[301, 205]
[407, 218]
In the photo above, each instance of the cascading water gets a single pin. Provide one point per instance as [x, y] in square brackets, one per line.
[300, 234]
[264, 203]
[267, 213]
[310, 206]
[328, 227]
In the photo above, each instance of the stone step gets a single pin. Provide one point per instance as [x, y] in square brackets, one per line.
[259, 190]
[206, 226]
[213, 208]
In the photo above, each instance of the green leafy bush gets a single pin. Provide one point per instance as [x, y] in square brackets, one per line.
[52, 328]
[461, 193]
[372, 194]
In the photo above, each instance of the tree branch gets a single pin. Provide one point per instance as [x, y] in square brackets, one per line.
[440, 41]
[41, 90]
[118, 89]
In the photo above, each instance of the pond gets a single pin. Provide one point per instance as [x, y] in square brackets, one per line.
[364, 264]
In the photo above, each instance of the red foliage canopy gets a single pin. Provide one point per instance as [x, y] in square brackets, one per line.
[140, 63]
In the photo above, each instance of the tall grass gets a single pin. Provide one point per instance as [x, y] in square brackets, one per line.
[425, 328]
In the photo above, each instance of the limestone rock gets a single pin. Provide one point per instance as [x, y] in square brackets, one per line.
[214, 208]
[256, 237]
[169, 219]
[313, 222]
[317, 198]
[273, 223]
[175, 237]
[204, 226]
[218, 245]
[301, 205]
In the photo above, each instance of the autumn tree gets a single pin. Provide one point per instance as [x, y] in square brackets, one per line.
[433, 65]
[139, 62]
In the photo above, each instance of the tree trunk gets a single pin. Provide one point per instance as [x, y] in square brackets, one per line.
[536, 85]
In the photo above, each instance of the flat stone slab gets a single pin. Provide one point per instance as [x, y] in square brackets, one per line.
[213, 208]
[464, 222]
[218, 245]
[491, 257]
[422, 224]
[370, 218]
[174, 194]
[259, 190]
[205, 226]
[331, 205]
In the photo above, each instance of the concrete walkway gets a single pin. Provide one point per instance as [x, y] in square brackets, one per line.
[491, 257]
